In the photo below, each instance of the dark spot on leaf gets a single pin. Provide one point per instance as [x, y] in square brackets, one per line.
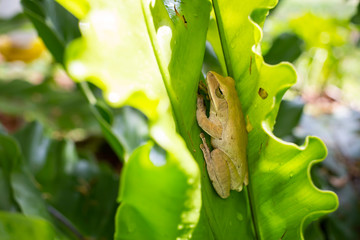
[283, 235]
[184, 19]
[262, 93]
[260, 148]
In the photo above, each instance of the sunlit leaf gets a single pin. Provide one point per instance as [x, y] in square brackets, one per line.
[282, 197]
[162, 208]
[116, 37]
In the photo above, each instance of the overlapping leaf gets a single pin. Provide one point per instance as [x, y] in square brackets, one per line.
[23, 195]
[51, 182]
[283, 198]
[136, 52]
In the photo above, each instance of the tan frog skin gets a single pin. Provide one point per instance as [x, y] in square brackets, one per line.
[227, 162]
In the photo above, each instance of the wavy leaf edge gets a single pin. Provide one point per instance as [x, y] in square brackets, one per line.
[267, 123]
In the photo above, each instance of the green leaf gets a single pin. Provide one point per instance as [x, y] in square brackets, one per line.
[214, 42]
[286, 47]
[78, 7]
[356, 18]
[125, 129]
[282, 197]
[104, 117]
[81, 190]
[131, 128]
[20, 227]
[7, 202]
[288, 118]
[27, 195]
[168, 45]
[168, 211]
[23, 188]
[10, 154]
[313, 232]
[8, 150]
[34, 145]
[86, 196]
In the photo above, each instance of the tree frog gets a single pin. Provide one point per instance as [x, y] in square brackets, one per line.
[227, 162]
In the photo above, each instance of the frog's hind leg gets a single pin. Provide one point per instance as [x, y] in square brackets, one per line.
[236, 181]
[217, 168]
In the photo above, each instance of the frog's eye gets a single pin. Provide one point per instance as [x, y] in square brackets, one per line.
[219, 93]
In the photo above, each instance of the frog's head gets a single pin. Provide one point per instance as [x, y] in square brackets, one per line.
[218, 87]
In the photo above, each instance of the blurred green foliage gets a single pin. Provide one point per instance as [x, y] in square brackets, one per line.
[286, 47]
[330, 53]
[50, 105]
[47, 177]
[356, 18]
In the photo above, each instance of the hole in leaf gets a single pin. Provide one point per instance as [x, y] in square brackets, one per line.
[157, 156]
[262, 93]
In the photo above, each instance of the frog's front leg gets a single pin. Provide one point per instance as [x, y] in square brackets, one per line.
[211, 128]
[217, 168]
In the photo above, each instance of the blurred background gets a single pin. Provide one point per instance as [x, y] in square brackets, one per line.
[321, 38]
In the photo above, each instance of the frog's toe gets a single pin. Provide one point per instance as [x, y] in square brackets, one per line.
[246, 180]
[239, 188]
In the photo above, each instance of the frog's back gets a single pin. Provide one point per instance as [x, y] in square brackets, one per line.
[234, 139]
